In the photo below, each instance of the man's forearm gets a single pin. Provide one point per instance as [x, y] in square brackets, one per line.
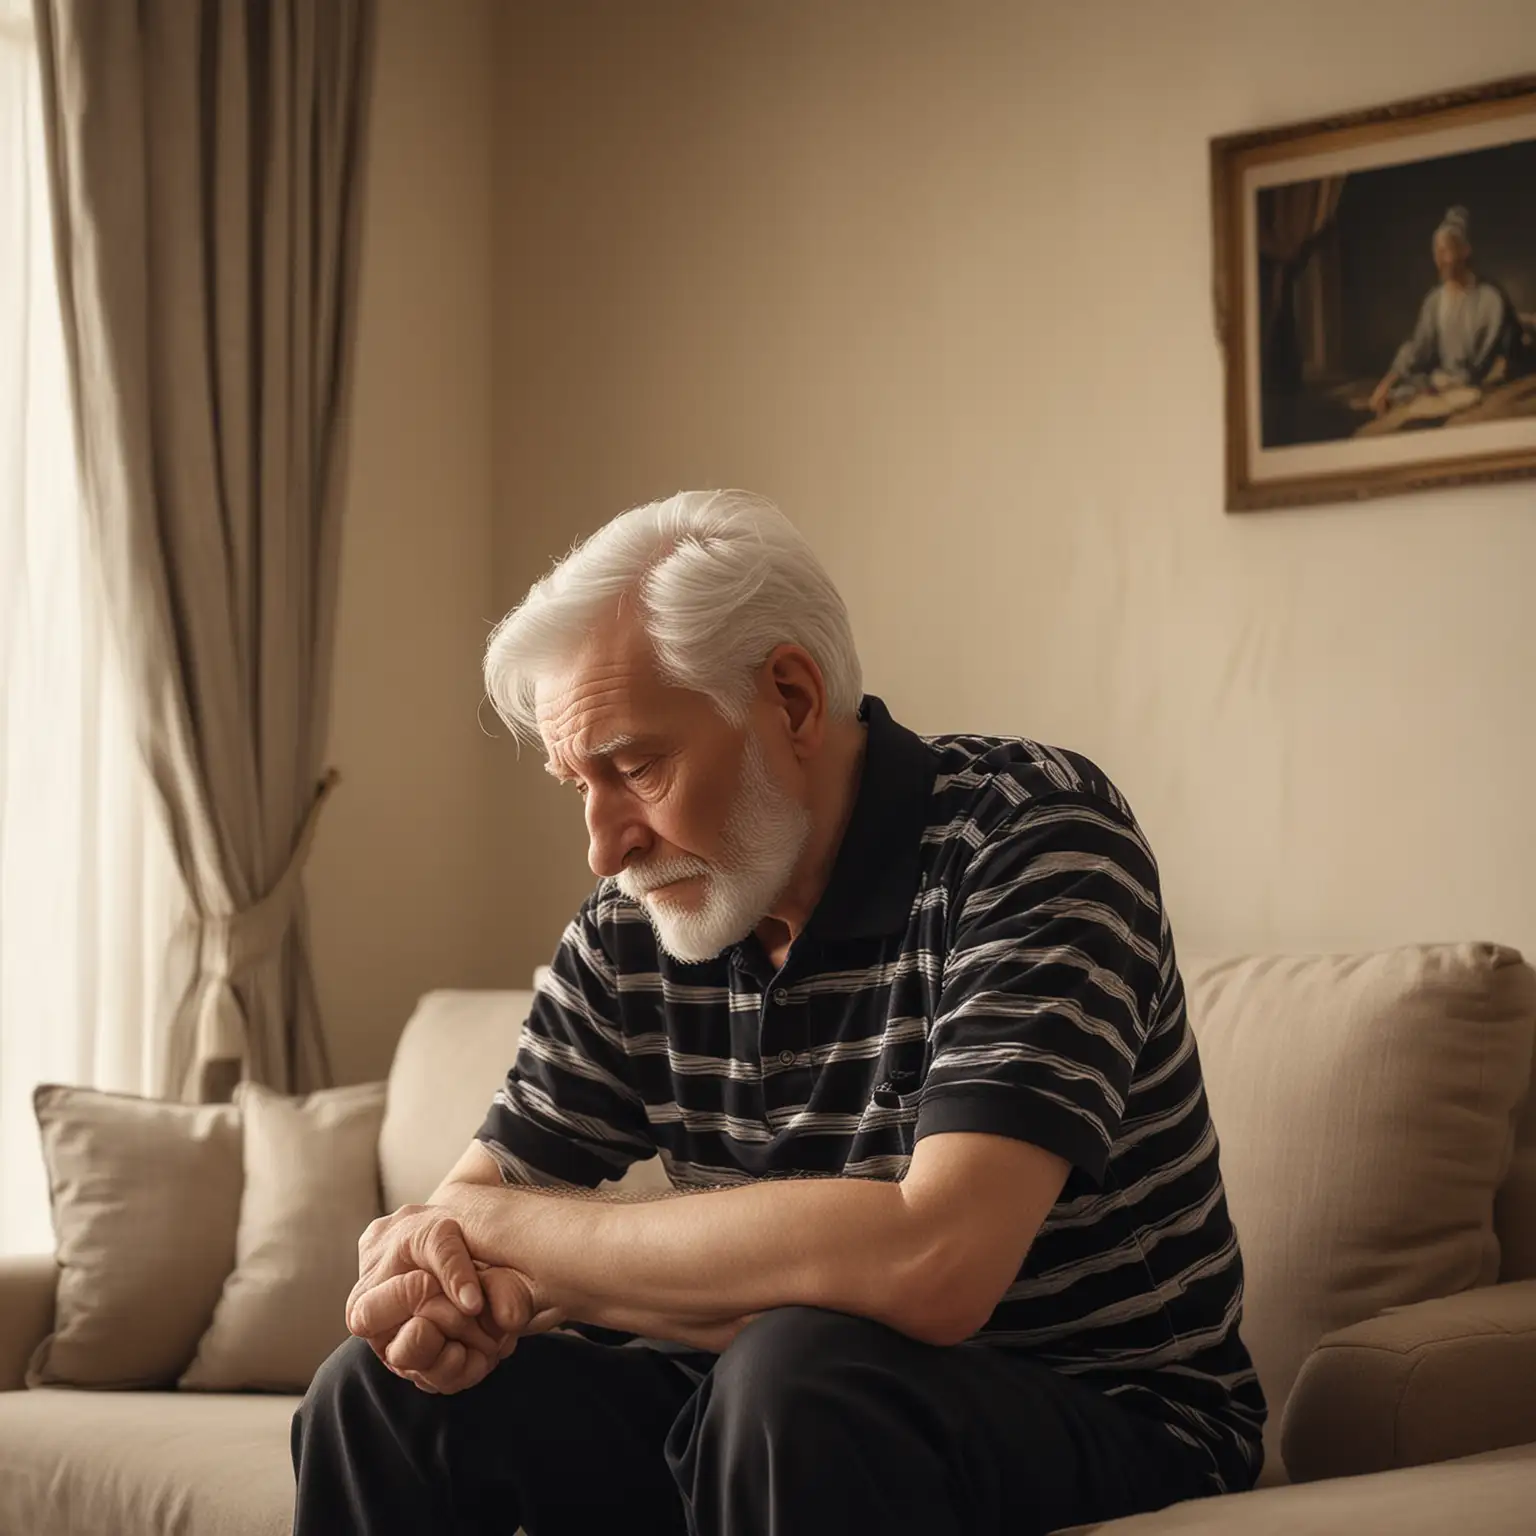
[716, 1335]
[851, 1245]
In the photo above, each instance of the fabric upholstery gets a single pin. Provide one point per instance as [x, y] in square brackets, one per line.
[27, 1286]
[144, 1464]
[1364, 1105]
[1430, 1382]
[452, 1057]
[311, 1186]
[146, 1200]
[1514, 1212]
[1486, 1495]
[184, 1464]
[206, 182]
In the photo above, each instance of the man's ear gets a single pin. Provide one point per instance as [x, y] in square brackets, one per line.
[795, 689]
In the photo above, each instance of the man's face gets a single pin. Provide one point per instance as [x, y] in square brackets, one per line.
[1450, 255]
[682, 807]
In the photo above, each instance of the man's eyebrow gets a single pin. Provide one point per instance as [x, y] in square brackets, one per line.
[612, 745]
[601, 749]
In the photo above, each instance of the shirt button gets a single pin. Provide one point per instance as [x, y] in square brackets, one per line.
[786, 1058]
[780, 996]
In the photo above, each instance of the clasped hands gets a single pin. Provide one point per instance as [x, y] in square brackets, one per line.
[432, 1312]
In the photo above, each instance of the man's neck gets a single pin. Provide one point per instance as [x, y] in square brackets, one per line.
[844, 769]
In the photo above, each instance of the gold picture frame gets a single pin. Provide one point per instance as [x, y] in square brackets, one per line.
[1375, 296]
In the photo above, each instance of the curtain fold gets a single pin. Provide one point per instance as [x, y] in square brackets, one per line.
[205, 162]
[1294, 223]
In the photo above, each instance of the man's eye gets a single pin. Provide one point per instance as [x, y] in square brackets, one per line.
[635, 774]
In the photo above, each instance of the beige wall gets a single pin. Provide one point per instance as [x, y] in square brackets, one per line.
[936, 276]
[399, 886]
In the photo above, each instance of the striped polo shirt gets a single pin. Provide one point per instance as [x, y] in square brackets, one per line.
[991, 953]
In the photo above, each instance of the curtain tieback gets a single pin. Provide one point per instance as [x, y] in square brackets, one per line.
[234, 944]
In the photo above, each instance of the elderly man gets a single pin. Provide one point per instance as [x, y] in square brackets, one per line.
[947, 1249]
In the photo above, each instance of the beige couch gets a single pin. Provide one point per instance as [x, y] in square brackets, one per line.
[1365, 1106]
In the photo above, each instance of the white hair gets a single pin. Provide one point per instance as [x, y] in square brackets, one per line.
[721, 578]
[1457, 223]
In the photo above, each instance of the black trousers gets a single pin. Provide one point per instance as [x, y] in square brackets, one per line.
[810, 1423]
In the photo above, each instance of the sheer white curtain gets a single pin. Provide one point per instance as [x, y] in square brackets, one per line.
[88, 892]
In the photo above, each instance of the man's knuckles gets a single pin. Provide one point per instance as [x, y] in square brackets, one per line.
[453, 1324]
[391, 1302]
[380, 1226]
[416, 1347]
[393, 1234]
[448, 1371]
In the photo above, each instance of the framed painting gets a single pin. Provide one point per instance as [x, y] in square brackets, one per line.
[1375, 284]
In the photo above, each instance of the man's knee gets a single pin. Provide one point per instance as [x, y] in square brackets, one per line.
[349, 1369]
[783, 1361]
[351, 1380]
[797, 1406]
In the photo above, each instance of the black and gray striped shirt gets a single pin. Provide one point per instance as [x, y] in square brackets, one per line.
[991, 954]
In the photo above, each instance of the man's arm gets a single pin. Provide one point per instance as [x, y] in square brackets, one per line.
[929, 1256]
[414, 1262]
[477, 1168]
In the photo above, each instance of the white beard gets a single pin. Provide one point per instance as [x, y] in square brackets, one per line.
[764, 835]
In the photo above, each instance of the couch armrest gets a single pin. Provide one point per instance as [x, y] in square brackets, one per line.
[26, 1313]
[1423, 1383]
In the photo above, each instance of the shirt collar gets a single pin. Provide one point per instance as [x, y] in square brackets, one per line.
[879, 861]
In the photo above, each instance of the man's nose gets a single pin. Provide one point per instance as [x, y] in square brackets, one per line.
[614, 832]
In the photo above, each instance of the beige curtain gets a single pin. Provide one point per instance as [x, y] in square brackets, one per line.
[205, 165]
[1294, 226]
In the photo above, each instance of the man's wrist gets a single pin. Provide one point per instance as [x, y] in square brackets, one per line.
[532, 1232]
[484, 1213]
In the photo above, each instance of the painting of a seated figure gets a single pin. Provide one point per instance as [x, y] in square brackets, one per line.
[1399, 300]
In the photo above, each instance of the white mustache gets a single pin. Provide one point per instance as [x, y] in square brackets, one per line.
[636, 883]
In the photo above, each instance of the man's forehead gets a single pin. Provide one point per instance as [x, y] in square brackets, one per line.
[589, 718]
[583, 708]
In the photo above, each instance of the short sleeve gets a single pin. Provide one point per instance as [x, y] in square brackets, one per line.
[1051, 979]
[568, 1112]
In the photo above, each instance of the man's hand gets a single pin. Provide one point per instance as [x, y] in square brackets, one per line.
[422, 1336]
[420, 1301]
[417, 1237]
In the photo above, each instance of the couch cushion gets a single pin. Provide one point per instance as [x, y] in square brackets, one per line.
[1488, 1495]
[453, 1053]
[452, 1056]
[144, 1464]
[1430, 1382]
[1364, 1105]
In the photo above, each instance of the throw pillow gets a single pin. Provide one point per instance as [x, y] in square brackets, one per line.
[311, 1187]
[145, 1197]
[1365, 1106]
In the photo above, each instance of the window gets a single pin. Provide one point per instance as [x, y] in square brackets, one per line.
[88, 892]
